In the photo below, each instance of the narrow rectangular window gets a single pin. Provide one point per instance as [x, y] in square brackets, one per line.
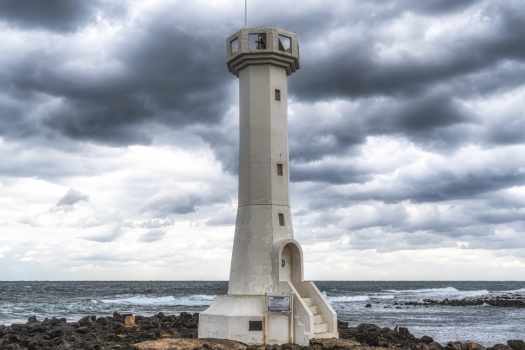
[277, 95]
[280, 169]
[281, 219]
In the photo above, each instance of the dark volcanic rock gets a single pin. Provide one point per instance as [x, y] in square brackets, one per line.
[500, 347]
[373, 335]
[516, 344]
[504, 300]
[100, 333]
[426, 339]
[91, 332]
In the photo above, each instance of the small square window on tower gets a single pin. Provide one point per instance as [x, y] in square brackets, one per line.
[281, 219]
[277, 95]
[280, 170]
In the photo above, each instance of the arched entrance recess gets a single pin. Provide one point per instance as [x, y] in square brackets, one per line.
[290, 261]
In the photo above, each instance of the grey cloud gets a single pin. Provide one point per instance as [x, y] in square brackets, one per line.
[225, 219]
[447, 185]
[354, 68]
[434, 121]
[71, 198]
[56, 15]
[332, 173]
[152, 236]
[106, 236]
[435, 6]
[168, 77]
[171, 75]
[167, 205]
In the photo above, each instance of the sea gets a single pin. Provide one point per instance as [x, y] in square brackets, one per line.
[487, 325]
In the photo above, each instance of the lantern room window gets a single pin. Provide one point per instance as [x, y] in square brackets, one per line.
[285, 43]
[257, 41]
[235, 46]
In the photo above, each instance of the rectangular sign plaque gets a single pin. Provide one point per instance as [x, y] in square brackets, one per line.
[279, 303]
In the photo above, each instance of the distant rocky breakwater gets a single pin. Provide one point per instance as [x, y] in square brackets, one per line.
[179, 332]
[504, 300]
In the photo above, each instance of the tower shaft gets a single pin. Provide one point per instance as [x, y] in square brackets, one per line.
[263, 215]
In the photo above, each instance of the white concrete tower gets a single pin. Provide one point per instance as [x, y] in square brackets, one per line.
[267, 263]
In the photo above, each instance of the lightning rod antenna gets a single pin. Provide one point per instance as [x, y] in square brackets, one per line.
[246, 13]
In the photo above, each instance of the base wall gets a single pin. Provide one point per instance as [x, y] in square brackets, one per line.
[229, 316]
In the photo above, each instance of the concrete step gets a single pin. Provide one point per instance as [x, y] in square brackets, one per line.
[323, 335]
[318, 319]
[320, 328]
[308, 301]
[314, 309]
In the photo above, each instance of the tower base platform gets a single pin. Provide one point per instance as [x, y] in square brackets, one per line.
[250, 320]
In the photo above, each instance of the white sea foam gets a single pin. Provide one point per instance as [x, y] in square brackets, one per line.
[424, 290]
[383, 296]
[446, 292]
[515, 291]
[190, 300]
[348, 298]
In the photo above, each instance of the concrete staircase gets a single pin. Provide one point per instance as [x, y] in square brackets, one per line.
[320, 325]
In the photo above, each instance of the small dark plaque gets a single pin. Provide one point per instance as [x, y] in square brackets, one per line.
[279, 303]
[255, 325]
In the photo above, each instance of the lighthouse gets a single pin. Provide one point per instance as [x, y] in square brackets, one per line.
[268, 300]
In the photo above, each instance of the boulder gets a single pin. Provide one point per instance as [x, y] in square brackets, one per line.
[426, 339]
[455, 345]
[516, 344]
[470, 345]
[500, 347]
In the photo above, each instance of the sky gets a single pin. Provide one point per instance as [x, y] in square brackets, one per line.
[119, 133]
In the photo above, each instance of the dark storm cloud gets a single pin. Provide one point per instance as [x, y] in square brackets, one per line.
[164, 76]
[354, 68]
[169, 72]
[436, 185]
[56, 15]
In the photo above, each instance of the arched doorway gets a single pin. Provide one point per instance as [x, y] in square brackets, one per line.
[290, 262]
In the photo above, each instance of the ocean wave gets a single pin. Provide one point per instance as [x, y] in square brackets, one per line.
[348, 298]
[514, 291]
[449, 292]
[384, 297]
[424, 290]
[190, 300]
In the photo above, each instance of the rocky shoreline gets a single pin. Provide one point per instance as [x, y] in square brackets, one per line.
[504, 300]
[165, 332]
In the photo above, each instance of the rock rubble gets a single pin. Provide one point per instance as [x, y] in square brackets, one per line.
[163, 332]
